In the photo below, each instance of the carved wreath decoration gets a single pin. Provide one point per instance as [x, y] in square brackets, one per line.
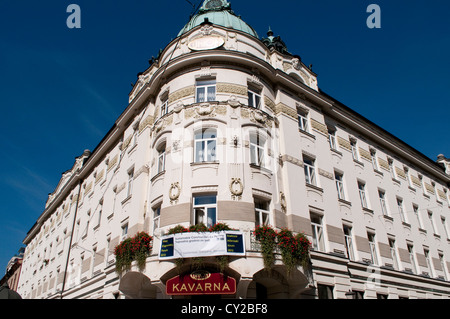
[174, 192]
[236, 188]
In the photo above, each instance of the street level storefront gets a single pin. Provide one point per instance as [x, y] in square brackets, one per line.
[202, 264]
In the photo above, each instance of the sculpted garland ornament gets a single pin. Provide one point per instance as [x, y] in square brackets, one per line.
[174, 192]
[236, 188]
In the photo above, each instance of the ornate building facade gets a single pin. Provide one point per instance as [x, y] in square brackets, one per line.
[227, 127]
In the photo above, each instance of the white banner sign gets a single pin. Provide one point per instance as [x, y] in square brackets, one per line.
[188, 245]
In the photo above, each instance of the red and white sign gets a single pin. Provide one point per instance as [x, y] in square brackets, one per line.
[201, 283]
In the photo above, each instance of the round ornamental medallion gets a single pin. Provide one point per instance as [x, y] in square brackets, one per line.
[174, 192]
[236, 187]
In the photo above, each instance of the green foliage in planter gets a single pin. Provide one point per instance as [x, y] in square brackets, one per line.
[178, 229]
[137, 248]
[219, 227]
[294, 249]
[266, 236]
[199, 228]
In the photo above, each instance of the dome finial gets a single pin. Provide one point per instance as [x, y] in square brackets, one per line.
[270, 32]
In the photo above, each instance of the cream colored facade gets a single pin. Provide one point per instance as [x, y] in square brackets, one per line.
[117, 189]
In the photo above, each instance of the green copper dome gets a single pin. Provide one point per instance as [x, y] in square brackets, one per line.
[218, 12]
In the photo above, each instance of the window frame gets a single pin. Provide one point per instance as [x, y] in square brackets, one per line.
[348, 240]
[156, 217]
[205, 85]
[373, 248]
[383, 204]
[254, 97]
[310, 170]
[161, 158]
[339, 185]
[206, 206]
[260, 212]
[303, 120]
[362, 194]
[211, 152]
[318, 232]
[258, 149]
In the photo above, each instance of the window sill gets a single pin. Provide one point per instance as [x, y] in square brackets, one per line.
[423, 231]
[307, 133]
[388, 218]
[157, 175]
[407, 225]
[343, 201]
[336, 151]
[126, 199]
[317, 188]
[358, 162]
[261, 168]
[205, 163]
[378, 172]
[367, 210]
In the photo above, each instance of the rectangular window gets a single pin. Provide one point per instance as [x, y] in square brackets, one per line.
[324, 291]
[394, 256]
[412, 258]
[162, 158]
[261, 212]
[382, 197]
[401, 210]
[318, 241]
[257, 150]
[205, 91]
[310, 171]
[373, 155]
[349, 242]
[156, 217]
[124, 232]
[354, 148]
[339, 179]
[433, 226]
[426, 252]
[205, 210]
[164, 107]
[444, 270]
[391, 168]
[332, 139]
[205, 145]
[373, 248]
[362, 194]
[303, 120]
[417, 214]
[130, 182]
[408, 176]
[444, 225]
[254, 98]
[99, 217]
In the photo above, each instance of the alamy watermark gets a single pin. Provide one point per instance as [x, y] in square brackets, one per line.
[74, 19]
[374, 19]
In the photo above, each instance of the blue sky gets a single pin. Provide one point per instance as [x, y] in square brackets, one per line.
[62, 89]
